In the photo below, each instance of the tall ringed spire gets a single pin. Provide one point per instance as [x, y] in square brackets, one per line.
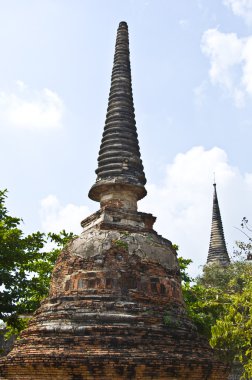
[120, 169]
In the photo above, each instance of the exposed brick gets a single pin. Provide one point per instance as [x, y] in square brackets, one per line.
[104, 317]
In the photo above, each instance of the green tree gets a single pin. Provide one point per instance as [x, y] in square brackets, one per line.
[25, 266]
[244, 248]
[183, 265]
[232, 334]
[220, 304]
[230, 279]
[204, 306]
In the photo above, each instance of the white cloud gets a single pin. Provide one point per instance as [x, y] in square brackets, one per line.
[21, 85]
[31, 109]
[55, 217]
[183, 203]
[200, 94]
[247, 70]
[242, 8]
[230, 63]
[248, 180]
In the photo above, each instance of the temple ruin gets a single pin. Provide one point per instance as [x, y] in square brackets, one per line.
[115, 308]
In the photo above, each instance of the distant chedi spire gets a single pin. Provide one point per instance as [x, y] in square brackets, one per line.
[217, 252]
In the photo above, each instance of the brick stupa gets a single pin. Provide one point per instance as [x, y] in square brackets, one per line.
[115, 308]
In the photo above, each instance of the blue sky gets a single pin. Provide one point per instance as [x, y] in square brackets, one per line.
[192, 84]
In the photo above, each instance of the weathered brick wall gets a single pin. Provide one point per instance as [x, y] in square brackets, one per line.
[116, 370]
[110, 295]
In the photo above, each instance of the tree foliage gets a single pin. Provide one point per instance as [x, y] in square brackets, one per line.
[25, 266]
[244, 248]
[183, 265]
[204, 306]
[232, 333]
[220, 304]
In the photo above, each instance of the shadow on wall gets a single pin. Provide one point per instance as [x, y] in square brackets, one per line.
[6, 345]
